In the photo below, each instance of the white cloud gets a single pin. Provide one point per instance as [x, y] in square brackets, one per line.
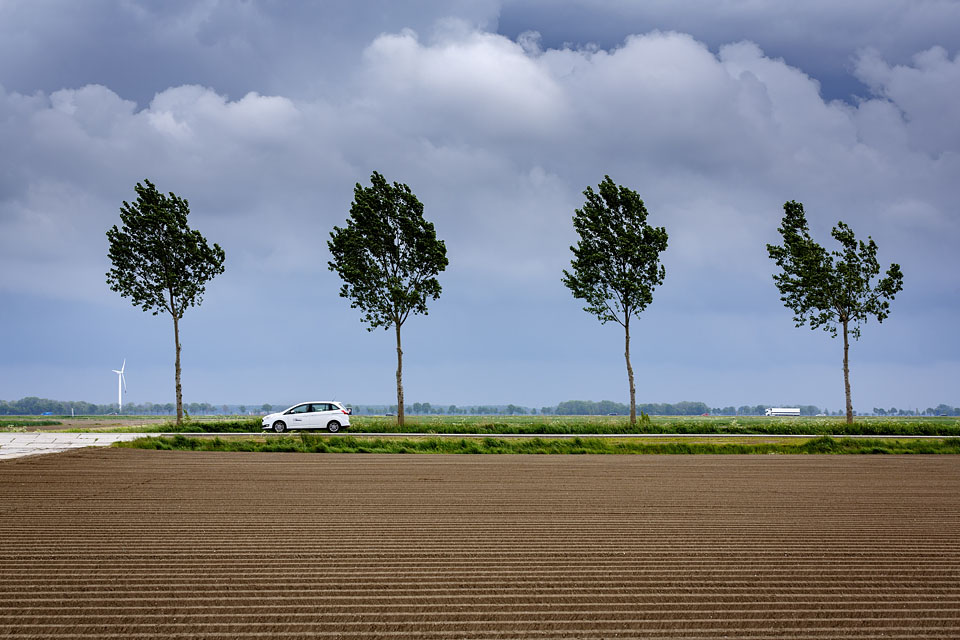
[480, 82]
[926, 94]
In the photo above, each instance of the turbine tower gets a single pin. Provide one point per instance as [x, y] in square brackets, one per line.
[121, 385]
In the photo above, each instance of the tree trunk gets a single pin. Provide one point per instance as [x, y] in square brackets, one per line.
[399, 377]
[846, 372]
[176, 339]
[633, 390]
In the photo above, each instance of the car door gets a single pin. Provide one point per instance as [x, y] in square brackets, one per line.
[314, 419]
[297, 417]
[324, 414]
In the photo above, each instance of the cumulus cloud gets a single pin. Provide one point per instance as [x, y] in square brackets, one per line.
[297, 49]
[925, 93]
[821, 36]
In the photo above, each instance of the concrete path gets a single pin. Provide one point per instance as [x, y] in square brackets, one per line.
[16, 445]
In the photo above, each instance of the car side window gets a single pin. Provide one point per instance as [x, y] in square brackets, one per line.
[301, 409]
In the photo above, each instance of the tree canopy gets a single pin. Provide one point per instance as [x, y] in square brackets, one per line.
[159, 262]
[616, 262]
[388, 255]
[828, 289]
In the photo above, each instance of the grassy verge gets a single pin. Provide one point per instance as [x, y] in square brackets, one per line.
[240, 425]
[585, 425]
[19, 424]
[574, 425]
[310, 443]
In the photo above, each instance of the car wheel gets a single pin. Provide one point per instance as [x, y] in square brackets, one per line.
[279, 427]
[333, 426]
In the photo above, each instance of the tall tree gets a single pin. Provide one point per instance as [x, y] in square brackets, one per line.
[833, 289]
[616, 263]
[388, 257]
[159, 262]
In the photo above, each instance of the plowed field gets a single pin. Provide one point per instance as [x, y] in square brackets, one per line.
[145, 544]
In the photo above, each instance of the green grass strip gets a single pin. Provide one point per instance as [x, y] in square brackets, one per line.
[20, 424]
[586, 425]
[311, 443]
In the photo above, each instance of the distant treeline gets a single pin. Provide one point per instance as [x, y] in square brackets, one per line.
[38, 406]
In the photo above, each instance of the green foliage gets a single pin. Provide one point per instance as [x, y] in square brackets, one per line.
[388, 255]
[827, 289]
[14, 424]
[616, 262]
[12, 428]
[608, 407]
[585, 425]
[158, 261]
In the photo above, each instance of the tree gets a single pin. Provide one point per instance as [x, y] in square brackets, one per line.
[833, 289]
[388, 257]
[160, 262]
[616, 263]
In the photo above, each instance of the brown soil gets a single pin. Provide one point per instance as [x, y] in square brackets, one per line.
[112, 543]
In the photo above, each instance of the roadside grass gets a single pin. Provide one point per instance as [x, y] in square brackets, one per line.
[746, 425]
[9, 423]
[238, 425]
[585, 425]
[312, 443]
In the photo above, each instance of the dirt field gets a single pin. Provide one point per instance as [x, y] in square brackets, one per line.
[106, 543]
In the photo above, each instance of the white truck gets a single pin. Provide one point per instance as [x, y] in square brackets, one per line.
[782, 411]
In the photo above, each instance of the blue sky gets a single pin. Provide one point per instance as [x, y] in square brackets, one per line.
[497, 114]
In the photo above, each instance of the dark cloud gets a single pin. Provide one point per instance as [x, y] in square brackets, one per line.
[820, 36]
[297, 49]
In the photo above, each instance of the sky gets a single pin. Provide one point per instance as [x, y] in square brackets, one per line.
[264, 116]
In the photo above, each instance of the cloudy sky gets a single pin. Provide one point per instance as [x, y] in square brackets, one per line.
[264, 115]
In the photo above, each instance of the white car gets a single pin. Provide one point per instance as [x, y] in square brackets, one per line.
[326, 414]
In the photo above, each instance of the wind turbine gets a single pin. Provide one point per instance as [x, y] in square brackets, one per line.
[121, 385]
